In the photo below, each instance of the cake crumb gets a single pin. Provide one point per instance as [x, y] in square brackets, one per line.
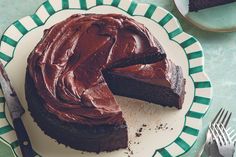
[162, 127]
[131, 152]
[138, 134]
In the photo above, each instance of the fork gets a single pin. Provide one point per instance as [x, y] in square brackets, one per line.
[232, 133]
[223, 140]
[221, 117]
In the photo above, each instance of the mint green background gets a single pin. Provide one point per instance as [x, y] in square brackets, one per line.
[220, 59]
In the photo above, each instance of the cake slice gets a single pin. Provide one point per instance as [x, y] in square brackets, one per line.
[195, 5]
[161, 83]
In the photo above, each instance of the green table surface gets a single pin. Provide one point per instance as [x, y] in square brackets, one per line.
[220, 60]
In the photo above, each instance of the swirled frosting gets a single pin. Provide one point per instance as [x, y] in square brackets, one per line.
[67, 64]
[159, 73]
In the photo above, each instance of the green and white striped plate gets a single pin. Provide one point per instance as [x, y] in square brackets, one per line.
[181, 126]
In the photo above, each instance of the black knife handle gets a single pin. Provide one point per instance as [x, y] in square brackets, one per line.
[23, 138]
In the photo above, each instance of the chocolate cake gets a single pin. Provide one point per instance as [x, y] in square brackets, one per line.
[80, 63]
[195, 5]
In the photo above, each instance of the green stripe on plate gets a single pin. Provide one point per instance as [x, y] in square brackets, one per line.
[5, 57]
[49, 8]
[190, 130]
[164, 152]
[175, 33]
[2, 99]
[20, 27]
[179, 141]
[204, 84]
[83, 4]
[165, 19]
[196, 69]
[37, 20]
[65, 4]
[115, 3]
[2, 115]
[99, 2]
[202, 100]
[194, 55]
[5, 129]
[132, 7]
[15, 144]
[188, 42]
[150, 11]
[194, 114]
[9, 41]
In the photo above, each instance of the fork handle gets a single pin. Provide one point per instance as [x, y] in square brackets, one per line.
[207, 151]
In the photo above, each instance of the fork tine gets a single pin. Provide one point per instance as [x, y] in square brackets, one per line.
[233, 137]
[219, 135]
[228, 129]
[226, 135]
[231, 132]
[222, 135]
[221, 114]
[215, 136]
[227, 121]
[217, 116]
[224, 117]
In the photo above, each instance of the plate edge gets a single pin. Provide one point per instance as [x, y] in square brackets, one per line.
[148, 13]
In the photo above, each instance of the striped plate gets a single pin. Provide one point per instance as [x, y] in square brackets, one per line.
[184, 125]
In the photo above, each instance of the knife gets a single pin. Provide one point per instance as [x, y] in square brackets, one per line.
[16, 111]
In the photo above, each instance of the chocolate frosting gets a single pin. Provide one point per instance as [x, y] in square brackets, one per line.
[68, 62]
[159, 73]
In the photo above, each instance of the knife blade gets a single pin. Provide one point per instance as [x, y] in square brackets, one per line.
[14, 106]
[16, 111]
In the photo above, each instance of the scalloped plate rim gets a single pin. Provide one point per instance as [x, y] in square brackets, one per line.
[177, 26]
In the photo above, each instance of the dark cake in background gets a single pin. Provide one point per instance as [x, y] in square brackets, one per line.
[195, 5]
[80, 63]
